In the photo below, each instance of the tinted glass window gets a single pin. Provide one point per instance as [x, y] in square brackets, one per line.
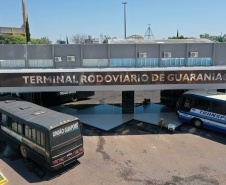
[38, 137]
[186, 103]
[9, 122]
[33, 134]
[42, 139]
[4, 118]
[202, 104]
[14, 124]
[19, 128]
[27, 131]
[216, 107]
[223, 108]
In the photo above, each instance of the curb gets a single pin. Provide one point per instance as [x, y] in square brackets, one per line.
[4, 180]
[125, 131]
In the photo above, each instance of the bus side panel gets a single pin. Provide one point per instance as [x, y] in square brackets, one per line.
[36, 157]
[183, 118]
[10, 140]
[215, 128]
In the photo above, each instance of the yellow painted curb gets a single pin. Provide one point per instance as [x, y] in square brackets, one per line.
[125, 131]
[139, 124]
[4, 179]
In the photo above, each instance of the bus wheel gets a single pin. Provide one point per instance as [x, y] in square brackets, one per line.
[197, 123]
[23, 151]
[74, 98]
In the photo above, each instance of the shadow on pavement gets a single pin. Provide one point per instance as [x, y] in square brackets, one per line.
[28, 169]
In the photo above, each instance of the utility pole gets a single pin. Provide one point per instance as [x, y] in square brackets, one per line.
[124, 17]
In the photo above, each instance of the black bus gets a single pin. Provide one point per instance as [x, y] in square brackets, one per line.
[50, 138]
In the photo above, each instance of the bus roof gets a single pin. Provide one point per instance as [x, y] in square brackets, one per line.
[208, 94]
[34, 114]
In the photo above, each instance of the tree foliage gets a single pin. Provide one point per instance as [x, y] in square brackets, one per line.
[58, 41]
[78, 38]
[12, 39]
[43, 40]
[19, 39]
[220, 38]
[106, 38]
[181, 37]
[28, 35]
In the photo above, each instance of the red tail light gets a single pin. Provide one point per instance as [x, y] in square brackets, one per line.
[55, 162]
[61, 160]
[81, 149]
[77, 152]
[68, 155]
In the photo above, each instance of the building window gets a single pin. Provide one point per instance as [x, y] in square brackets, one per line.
[12, 64]
[129, 62]
[147, 62]
[199, 61]
[173, 62]
[36, 63]
[95, 62]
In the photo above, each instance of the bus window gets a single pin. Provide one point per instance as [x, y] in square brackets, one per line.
[14, 125]
[186, 103]
[201, 104]
[223, 108]
[33, 134]
[27, 132]
[4, 119]
[38, 137]
[216, 107]
[9, 122]
[19, 127]
[42, 139]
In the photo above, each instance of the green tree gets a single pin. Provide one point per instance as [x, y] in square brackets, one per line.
[220, 38]
[43, 40]
[58, 41]
[106, 38]
[181, 37]
[12, 39]
[28, 35]
[205, 35]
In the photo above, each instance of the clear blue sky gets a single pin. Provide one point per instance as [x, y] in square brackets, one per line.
[55, 18]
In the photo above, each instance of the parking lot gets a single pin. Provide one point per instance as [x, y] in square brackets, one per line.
[132, 153]
[134, 157]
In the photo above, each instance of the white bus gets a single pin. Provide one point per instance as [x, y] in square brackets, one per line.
[203, 108]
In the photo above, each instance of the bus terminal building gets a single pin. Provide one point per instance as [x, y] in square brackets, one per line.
[120, 67]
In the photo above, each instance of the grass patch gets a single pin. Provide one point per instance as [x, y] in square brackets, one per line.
[1, 177]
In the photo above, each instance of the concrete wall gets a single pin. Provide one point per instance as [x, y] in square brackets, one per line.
[216, 51]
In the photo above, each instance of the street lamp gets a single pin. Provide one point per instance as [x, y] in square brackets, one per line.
[125, 16]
